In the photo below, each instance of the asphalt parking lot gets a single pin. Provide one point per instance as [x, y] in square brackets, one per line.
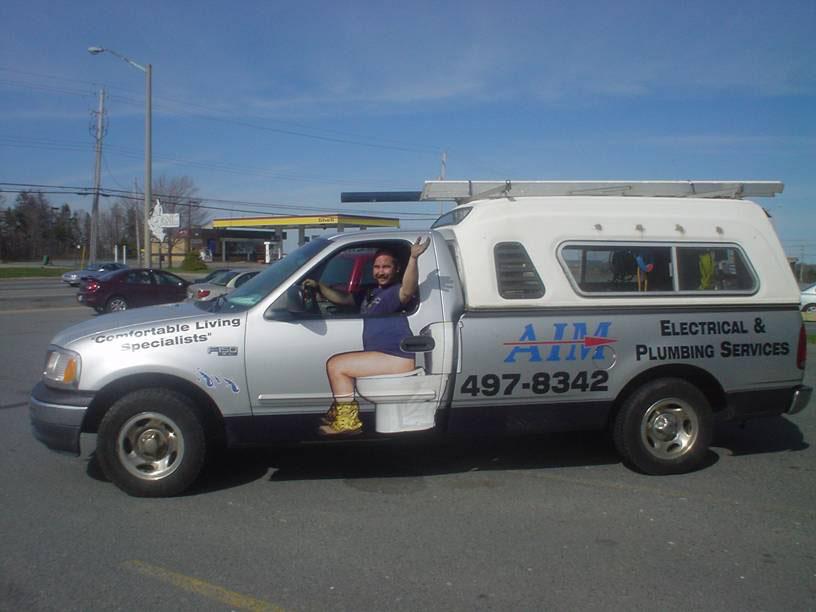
[540, 522]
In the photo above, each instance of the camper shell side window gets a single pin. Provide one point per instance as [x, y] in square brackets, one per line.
[715, 268]
[516, 276]
[616, 268]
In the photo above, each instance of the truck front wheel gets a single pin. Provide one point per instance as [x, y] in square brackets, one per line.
[664, 427]
[151, 443]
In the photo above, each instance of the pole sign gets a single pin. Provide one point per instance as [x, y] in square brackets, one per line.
[159, 221]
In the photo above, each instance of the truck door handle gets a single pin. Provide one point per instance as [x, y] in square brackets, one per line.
[417, 344]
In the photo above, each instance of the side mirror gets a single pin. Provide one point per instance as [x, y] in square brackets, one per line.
[278, 311]
[294, 300]
[287, 306]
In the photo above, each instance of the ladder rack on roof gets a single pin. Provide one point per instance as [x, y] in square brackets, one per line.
[466, 191]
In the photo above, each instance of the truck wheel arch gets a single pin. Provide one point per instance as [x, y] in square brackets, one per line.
[203, 403]
[700, 378]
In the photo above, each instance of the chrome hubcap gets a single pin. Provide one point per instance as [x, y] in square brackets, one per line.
[669, 428]
[150, 446]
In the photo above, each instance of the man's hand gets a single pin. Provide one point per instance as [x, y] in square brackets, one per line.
[409, 285]
[418, 248]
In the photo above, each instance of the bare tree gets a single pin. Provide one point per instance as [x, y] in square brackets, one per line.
[113, 227]
[177, 195]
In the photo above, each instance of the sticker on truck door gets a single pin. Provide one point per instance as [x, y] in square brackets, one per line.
[539, 383]
[569, 342]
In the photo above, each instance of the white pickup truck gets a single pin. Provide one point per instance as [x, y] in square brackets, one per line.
[645, 308]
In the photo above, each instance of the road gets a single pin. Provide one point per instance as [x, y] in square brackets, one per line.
[26, 293]
[543, 522]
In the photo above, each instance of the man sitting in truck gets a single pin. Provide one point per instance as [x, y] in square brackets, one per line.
[382, 335]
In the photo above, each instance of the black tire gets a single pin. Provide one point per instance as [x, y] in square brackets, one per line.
[809, 308]
[116, 303]
[151, 443]
[664, 427]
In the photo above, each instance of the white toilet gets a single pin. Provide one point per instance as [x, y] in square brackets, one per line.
[404, 402]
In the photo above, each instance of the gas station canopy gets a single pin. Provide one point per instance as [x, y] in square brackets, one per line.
[337, 220]
[252, 228]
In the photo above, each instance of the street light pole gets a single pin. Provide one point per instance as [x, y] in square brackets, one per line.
[148, 186]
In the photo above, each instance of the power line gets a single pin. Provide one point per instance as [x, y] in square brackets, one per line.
[191, 199]
[127, 194]
[53, 77]
[109, 173]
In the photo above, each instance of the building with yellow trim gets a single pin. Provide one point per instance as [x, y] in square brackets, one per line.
[242, 233]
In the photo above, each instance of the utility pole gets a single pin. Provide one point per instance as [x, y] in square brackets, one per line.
[148, 186]
[97, 177]
[802, 265]
[190, 223]
[443, 175]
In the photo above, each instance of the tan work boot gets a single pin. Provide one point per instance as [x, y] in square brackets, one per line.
[346, 422]
[331, 414]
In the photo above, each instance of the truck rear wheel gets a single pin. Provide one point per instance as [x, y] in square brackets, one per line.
[665, 427]
[151, 443]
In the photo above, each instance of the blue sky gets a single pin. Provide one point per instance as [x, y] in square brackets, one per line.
[285, 105]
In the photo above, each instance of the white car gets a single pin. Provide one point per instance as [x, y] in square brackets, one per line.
[223, 282]
[807, 299]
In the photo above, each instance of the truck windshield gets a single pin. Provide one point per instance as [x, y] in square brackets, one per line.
[253, 291]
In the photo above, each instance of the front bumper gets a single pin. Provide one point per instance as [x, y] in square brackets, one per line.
[56, 416]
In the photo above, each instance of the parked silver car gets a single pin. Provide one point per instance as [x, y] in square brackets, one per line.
[94, 270]
[807, 299]
[210, 275]
[220, 284]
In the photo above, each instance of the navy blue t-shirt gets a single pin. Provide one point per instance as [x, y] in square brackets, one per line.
[382, 332]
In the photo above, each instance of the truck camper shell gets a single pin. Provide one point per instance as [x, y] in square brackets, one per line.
[544, 225]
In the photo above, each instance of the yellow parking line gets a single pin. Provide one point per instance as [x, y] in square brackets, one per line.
[202, 588]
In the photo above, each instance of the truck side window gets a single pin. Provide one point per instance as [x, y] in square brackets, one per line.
[516, 276]
[649, 268]
[350, 272]
[619, 268]
[714, 268]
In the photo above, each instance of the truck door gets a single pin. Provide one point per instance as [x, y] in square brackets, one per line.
[527, 369]
[287, 350]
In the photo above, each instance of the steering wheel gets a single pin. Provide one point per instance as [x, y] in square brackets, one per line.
[308, 297]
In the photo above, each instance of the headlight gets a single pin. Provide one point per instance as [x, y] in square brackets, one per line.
[62, 367]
